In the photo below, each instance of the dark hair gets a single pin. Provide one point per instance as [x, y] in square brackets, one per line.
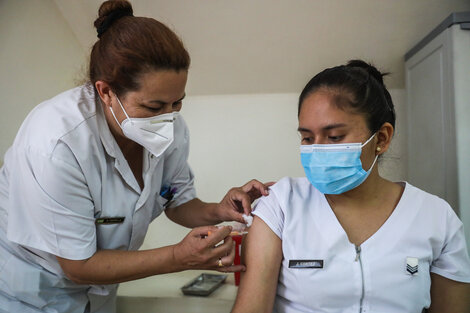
[130, 46]
[358, 86]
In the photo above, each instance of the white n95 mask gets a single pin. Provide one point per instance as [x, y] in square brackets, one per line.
[153, 133]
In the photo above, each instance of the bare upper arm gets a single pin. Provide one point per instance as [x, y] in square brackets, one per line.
[262, 255]
[449, 296]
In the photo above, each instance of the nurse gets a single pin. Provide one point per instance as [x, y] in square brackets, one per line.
[343, 238]
[92, 167]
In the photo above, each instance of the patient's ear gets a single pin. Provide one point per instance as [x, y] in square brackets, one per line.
[384, 138]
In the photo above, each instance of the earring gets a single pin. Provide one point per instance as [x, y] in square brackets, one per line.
[378, 149]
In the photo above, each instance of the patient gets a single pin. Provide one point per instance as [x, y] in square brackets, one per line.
[343, 238]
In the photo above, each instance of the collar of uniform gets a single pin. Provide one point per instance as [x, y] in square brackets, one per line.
[109, 143]
[149, 161]
[112, 148]
[325, 220]
[399, 220]
[335, 231]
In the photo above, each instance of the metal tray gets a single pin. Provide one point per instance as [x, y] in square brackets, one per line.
[204, 284]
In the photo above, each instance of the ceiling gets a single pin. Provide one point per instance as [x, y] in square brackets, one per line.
[276, 46]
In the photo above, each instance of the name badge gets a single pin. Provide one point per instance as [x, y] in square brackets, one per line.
[305, 263]
[109, 220]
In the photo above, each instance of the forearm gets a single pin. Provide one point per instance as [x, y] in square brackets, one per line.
[194, 213]
[115, 266]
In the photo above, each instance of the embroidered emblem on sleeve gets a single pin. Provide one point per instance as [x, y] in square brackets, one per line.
[412, 265]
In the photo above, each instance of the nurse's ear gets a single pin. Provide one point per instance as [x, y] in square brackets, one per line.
[384, 138]
[105, 92]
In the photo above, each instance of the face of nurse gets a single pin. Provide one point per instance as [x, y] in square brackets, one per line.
[322, 122]
[160, 92]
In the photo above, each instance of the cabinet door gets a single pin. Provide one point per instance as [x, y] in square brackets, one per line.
[431, 133]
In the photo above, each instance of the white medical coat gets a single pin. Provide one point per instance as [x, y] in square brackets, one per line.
[64, 171]
[323, 272]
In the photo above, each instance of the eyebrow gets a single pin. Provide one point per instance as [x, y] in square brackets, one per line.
[328, 127]
[164, 102]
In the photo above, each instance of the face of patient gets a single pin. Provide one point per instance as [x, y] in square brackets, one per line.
[321, 121]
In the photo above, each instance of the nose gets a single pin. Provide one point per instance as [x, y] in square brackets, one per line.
[320, 141]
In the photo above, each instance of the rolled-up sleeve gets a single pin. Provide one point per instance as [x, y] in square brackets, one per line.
[270, 211]
[51, 207]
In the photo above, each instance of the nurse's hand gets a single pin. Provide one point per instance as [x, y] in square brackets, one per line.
[199, 250]
[238, 200]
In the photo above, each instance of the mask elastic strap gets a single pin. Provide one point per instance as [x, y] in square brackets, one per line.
[365, 143]
[376, 157]
[112, 112]
[119, 101]
[372, 166]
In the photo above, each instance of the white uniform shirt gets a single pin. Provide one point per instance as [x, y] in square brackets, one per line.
[323, 272]
[64, 172]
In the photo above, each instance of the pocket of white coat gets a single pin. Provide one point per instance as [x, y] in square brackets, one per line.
[160, 207]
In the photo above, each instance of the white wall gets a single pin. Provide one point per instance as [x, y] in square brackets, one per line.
[235, 138]
[39, 57]
[273, 46]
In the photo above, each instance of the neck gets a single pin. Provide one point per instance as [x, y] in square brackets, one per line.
[368, 192]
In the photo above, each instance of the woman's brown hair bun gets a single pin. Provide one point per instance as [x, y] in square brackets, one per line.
[372, 70]
[130, 46]
[109, 12]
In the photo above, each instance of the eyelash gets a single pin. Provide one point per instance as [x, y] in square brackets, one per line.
[176, 104]
[335, 138]
[308, 140]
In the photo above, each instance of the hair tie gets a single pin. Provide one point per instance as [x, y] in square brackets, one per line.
[110, 19]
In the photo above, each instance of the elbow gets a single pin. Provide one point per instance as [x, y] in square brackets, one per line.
[76, 278]
[172, 215]
[76, 275]
[74, 270]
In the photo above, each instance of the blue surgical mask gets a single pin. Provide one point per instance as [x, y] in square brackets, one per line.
[334, 168]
